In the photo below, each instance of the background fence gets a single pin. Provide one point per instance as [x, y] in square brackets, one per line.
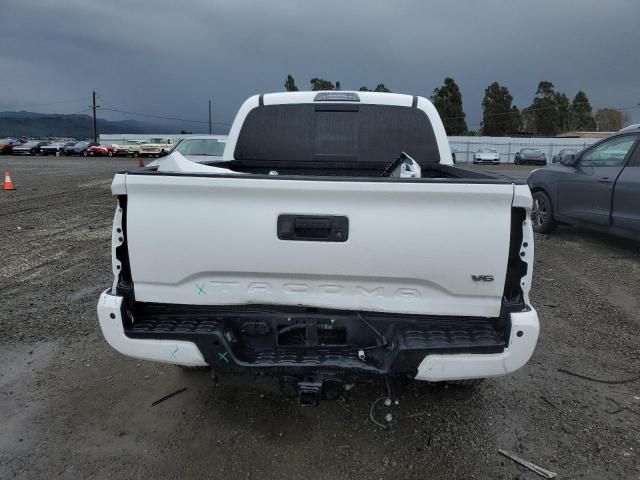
[465, 147]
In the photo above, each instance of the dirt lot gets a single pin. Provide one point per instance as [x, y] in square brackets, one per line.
[71, 407]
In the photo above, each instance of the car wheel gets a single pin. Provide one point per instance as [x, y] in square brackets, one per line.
[542, 213]
[85, 153]
[110, 154]
[135, 154]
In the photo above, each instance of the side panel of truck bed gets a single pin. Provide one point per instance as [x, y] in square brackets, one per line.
[412, 247]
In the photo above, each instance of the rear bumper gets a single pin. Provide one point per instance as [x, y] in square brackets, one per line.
[168, 351]
[436, 368]
[428, 355]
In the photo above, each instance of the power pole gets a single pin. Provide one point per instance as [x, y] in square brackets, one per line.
[94, 106]
[210, 131]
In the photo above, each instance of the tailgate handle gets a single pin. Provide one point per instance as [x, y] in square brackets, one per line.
[313, 228]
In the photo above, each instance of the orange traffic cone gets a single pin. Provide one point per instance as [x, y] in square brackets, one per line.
[140, 162]
[8, 184]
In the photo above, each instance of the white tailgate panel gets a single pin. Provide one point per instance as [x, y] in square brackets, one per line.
[412, 248]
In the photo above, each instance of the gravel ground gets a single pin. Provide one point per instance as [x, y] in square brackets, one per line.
[71, 407]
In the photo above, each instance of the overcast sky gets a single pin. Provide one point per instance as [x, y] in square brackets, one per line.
[169, 57]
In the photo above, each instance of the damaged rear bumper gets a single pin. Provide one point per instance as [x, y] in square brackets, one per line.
[430, 349]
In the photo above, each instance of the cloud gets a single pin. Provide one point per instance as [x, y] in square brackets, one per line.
[167, 57]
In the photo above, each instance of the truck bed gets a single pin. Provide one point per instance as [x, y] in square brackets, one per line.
[329, 171]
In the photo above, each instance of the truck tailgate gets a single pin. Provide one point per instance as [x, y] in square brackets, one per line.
[413, 247]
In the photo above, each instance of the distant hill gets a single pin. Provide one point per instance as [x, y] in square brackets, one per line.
[31, 124]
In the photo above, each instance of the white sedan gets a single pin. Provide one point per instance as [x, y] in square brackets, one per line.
[200, 148]
[486, 155]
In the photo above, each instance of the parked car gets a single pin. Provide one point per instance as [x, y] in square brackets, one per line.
[598, 188]
[562, 153]
[203, 148]
[28, 148]
[156, 147]
[78, 148]
[303, 253]
[51, 148]
[486, 155]
[530, 155]
[7, 144]
[100, 151]
[130, 148]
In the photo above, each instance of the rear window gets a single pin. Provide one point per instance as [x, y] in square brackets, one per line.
[336, 133]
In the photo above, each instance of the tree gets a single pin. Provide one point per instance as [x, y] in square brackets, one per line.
[338, 87]
[610, 120]
[581, 116]
[550, 112]
[564, 112]
[498, 113]
[290, 84]
[381, 87]
[448, 101]
[528, 120]
[545, 110]
[321, 84]
[516, 120]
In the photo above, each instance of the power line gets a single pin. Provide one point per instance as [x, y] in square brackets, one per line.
[163, 117]
[77, 113]
[112, 108]
[104, 102]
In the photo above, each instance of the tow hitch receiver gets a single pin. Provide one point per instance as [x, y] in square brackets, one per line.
[310, 393]
[311, 389]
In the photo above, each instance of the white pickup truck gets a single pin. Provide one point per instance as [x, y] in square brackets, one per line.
[334, 241]
[155, 147]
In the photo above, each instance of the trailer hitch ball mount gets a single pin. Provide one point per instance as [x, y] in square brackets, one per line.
[310, 390]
